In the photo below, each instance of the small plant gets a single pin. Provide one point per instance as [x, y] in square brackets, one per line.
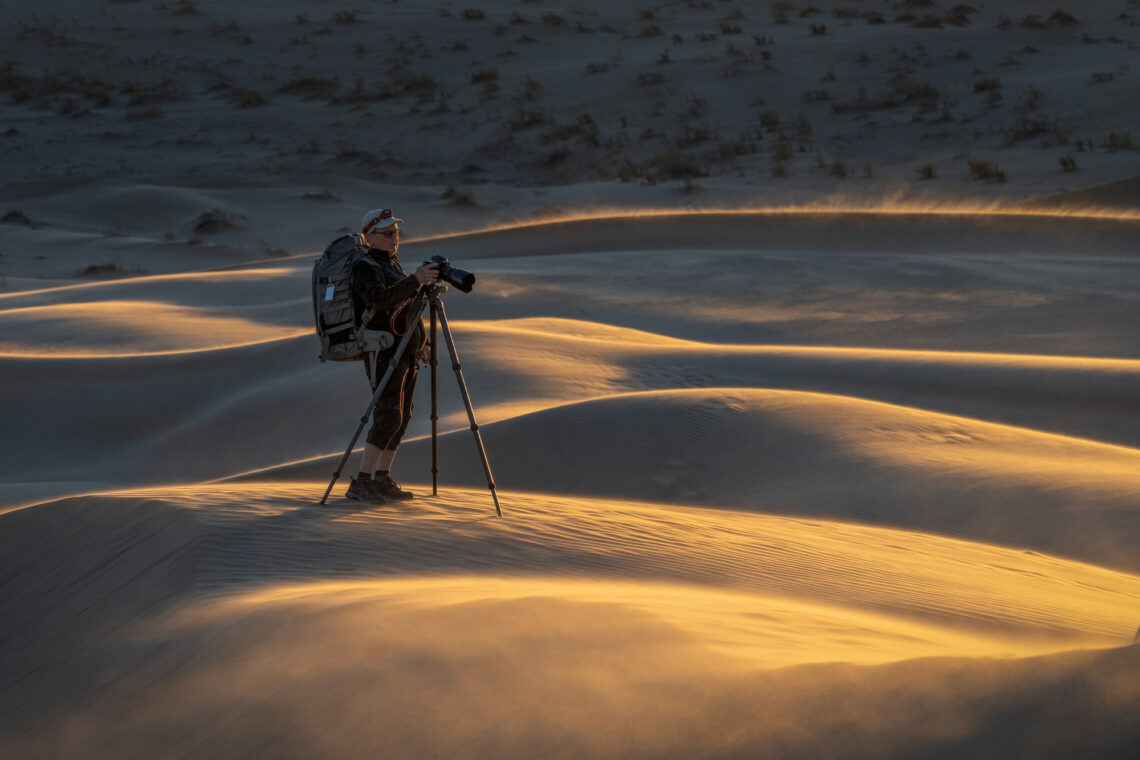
[524, 119]
[650, 31]
[838, 169]
[473, 14]
[867, 172]
[1068, 164]
[457, 197]
[1101, 77]
[553, 19]
[1118, 141]
[779, 171]
[726, 28]
[344, 17]
[818, 30]
[597, 68]
[986, 170]
[987, 85]
[484, 75]
[628, 172]
[926, 171]
[645, 80]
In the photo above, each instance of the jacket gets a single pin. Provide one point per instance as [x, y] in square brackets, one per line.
[382, 284]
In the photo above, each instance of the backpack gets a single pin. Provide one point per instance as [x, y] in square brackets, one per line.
[342, 337]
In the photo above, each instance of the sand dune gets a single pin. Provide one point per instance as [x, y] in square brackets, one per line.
[631, 603]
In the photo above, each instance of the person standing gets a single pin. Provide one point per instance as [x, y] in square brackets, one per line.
[380, 283]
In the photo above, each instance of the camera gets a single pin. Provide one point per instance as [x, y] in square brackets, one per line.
[460, 278]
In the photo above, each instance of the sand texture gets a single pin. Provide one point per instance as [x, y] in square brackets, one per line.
[804, 348]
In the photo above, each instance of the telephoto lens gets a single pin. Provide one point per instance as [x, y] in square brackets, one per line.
[460, 278]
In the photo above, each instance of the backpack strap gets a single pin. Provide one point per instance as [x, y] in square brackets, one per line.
[367, 315]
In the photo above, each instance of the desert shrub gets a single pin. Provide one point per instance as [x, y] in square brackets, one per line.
[525, 119]
[1118, 141]
[185, 8]
[518, 18]
[732, 149]
[344, 17]
[782, 151]
[726, 28]
[818, 30]
[987, 85]
[1028, 126]
[422, 86]
[324, 195]
[986, 170]
[1031, 99]
[309, 87]
[458, 197]
[668, 166]
[145, 113]
[584, 128]
[111, 269]
[689, 135]
[553, 19]
[628, 171]
[816, 96]
[644, 80]
[927, 22]
[770, 118]
[779, 171]
[867, 172]
[1061, 18]
[243, 97]
[838, 169]
[1068, 164]
[874, 17]
[650, 31]
[597, 68]
[646, 15]
[845, 12]
[484, 75]
[473, 14]
[1033, 21]
[1101, 77]
[804, 13]
[527, 90]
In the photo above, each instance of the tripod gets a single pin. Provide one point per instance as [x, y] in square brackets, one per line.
[428, 295]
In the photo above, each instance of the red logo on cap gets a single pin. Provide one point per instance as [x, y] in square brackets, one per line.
[384, 214]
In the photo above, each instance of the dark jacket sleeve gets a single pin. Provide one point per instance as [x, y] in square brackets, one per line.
[373, 289]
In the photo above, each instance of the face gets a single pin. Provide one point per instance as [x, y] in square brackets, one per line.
[387, 239]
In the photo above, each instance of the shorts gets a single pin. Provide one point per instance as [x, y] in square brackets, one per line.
[393, 409]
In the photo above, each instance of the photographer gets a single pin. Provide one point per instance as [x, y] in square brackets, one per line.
[380, 283]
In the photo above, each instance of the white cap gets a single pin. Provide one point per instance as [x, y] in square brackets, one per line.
[378, 219]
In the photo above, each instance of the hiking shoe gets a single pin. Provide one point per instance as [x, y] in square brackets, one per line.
[390, 489]
[364, 490]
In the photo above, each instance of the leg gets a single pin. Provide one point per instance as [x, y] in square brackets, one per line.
[370, 457]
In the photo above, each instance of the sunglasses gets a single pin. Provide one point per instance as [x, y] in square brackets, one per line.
[390, 234]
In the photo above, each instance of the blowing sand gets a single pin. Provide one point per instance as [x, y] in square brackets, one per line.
[815, 437]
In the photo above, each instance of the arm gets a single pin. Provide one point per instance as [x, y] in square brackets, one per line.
[373, 290]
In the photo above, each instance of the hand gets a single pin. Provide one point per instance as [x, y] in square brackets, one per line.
[425, 355]
[427, 274]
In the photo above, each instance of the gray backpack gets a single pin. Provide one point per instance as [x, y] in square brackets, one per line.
[342, 338]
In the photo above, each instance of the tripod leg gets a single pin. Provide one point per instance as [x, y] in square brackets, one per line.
[413, 318]
[467, 402]
[434, 405]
